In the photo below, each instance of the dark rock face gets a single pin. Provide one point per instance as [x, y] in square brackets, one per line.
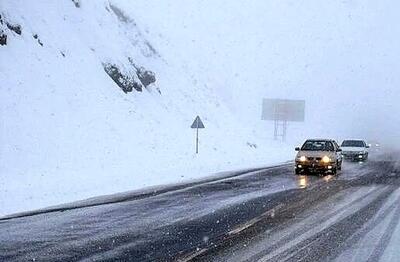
[252, 145]
[147, 77]
[152, 50]
[16, 28]
[3, 38]
[125, 82]
[38, 39]
[76, 3]
[120, 14]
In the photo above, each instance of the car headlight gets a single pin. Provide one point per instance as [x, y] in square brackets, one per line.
[302, 159]
[326, 159]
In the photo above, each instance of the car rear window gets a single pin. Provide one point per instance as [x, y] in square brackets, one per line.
[318, 146]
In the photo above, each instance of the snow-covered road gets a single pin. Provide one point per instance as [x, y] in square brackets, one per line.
[264, 215]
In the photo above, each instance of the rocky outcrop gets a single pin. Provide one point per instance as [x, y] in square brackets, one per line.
[121, 15]
[35, 36]
[252, 145]
[15, 28]
[147, 77]
[126, 82]
[3, 38]
[76, 3]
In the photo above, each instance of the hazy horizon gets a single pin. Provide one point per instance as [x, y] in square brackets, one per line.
[340, 56]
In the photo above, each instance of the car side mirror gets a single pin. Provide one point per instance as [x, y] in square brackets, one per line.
[367, 146]
[339, 150]
[297, 149]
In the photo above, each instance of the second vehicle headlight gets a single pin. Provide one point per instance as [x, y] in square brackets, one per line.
[326, 159]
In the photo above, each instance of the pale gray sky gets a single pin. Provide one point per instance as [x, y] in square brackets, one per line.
[341, 56]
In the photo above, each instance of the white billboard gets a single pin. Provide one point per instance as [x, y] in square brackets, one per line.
[283, 110]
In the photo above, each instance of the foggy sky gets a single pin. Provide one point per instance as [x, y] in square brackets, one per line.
[342, 57]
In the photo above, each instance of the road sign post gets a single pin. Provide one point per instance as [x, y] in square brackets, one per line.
[197, 123]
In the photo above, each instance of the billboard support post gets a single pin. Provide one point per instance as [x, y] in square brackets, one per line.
[280, 129]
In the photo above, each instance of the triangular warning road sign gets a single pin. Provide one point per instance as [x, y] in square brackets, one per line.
[197, 123]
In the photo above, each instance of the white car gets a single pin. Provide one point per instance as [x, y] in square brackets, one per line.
[355, 150]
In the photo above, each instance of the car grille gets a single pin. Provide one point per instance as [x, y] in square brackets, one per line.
[314, 158]
[350, 153]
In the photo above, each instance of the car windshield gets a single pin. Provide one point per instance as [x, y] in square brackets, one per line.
[317, 146]
[353, 143]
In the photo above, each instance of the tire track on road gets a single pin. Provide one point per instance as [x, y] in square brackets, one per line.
[385, 239]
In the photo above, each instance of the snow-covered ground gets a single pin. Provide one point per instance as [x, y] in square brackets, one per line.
[68, 132]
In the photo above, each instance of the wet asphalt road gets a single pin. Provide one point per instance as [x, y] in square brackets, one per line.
[264, 215]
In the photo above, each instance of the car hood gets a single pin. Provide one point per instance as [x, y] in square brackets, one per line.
[353, 149]
[316, 153]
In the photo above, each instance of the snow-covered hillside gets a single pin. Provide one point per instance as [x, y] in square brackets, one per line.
[68, 131]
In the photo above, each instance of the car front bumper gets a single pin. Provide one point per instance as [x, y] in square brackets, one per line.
[355, 156]
[301, 167]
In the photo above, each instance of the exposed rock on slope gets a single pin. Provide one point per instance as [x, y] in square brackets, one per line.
[35, 36]
[145, 76]
[126, 82]
[14, 27]
[3, 38]
[76, 3]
